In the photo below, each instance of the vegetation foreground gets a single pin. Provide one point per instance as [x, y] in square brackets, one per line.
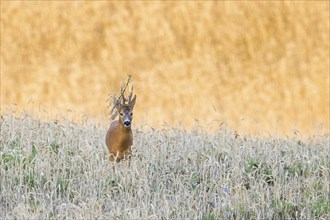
[60, 170]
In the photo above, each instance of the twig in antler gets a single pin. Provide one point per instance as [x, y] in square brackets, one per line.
[121, 100]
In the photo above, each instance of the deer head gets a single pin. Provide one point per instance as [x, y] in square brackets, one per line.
[123, 106]
[125, 110]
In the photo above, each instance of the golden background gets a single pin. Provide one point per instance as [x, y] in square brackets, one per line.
[253, 65]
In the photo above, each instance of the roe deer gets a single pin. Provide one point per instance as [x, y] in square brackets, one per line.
[119, 138]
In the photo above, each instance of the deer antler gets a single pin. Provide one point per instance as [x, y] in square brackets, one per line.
[123, 90]
[130, 95]
[121, 100]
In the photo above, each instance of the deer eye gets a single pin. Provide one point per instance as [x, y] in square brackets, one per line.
[121, 114]
[131, 114]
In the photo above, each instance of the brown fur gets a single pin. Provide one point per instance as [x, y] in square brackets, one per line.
[119, 140]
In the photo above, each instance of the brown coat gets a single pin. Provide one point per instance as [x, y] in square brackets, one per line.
[119, 140]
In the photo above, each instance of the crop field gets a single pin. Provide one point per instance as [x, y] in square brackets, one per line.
[232, 119]
[252, 64]
[60, 170]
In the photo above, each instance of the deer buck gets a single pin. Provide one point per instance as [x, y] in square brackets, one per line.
[119, 138]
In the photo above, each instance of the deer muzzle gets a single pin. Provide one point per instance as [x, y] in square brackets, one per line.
[127, 123]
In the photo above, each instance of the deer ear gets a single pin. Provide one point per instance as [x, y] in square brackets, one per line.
[132, 103]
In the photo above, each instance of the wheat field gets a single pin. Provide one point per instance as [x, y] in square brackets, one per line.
[258, 66]
[231, 120]
[50, 170]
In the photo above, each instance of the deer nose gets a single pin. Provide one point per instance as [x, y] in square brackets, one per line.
[127, 123]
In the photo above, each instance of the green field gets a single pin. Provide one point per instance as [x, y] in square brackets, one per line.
[60, 170]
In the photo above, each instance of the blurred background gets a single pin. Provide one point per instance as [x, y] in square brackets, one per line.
[255, 66]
